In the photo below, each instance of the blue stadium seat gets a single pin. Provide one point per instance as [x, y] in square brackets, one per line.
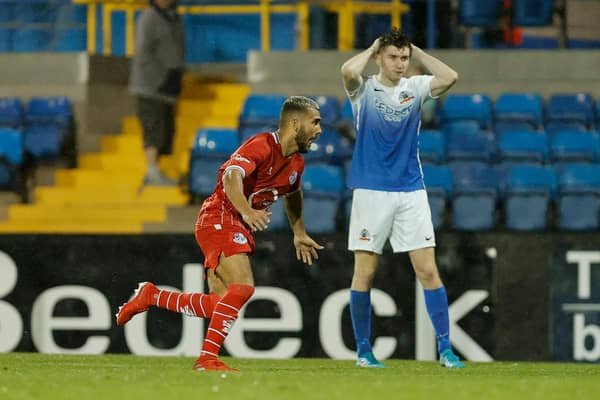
[432, 148]
[11, 145]
[49, 110]
[479, 13]
[438, 181]
[330, 109]
[278, 217]
[6, 40]
[322, 186]
[212, 147]
[27, 40]
[11, 112]
[261, 109]
[246, 132]
[475, 196]
[532, 12]
[575, 147]
[579, 197]
[346, 112]
[519, 107]
[528, 195]
[553, 127]
[575, 107]
[504, 126]
[477, 107]
[44, 141]
[470, 146]
[523, 146]
[329, 147]
[11, 156]
[451, 128]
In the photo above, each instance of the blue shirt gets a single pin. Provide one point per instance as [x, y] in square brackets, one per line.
[387, 122]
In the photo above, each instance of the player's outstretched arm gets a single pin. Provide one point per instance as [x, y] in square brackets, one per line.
[353, 68]
[233, 185]
[306, 247]
[443, 76]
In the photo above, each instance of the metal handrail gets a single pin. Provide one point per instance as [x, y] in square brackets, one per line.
[346, 9]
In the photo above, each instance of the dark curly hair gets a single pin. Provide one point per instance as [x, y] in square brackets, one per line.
[397, 38]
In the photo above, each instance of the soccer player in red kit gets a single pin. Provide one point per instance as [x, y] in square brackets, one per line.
[264, 168]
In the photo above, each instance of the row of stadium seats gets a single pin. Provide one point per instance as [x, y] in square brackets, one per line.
[42, 129]
[467, 142]
[468, 198]
[510, 111]
[523, 111]
[475, 189]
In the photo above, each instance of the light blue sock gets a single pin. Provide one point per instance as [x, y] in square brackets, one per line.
[360, 311]
[436, 301]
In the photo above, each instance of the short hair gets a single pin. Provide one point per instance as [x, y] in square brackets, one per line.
[297, 104]
[397, 38]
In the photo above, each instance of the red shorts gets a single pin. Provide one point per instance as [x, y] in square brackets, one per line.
[216, 237]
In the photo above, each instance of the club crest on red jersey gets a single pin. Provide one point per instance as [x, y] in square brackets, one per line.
[293, 177]
[239, 238]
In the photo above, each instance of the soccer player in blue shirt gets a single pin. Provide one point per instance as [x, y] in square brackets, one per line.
[389, 200]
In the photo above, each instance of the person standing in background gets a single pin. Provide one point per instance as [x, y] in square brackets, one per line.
[156, 74]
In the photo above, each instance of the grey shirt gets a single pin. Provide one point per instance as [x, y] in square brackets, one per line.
[158, 61]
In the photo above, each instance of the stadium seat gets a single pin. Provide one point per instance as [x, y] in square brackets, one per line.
[11, 145]
[532, 12]
[322, 187]
[470, 146]
[346, 112]
[528, 195]
[246, 132]
[579, 197]
[261, 110]
[329, 147]
[553, 127]
[520, 108]
[504, 126]
[11, 156]
[575, 147]
[438, 182]
[459, 127]
[49, 110]
[330, 110]
[476, 107]
[44, 141]
[477, 13]
[474, 198]
[212, 147]
[278, 216]
[523, 146]
[577, 107]
[432, 148]
[11, 112]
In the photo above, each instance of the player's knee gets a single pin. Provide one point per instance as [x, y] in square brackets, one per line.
[427, 274]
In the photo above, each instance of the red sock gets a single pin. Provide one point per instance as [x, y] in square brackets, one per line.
[224, 315]
[192, 304]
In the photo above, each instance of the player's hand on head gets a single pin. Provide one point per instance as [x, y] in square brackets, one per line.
[257, 220]
[306, 249]
[376, 45]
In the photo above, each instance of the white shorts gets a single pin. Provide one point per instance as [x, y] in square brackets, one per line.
[402, 217]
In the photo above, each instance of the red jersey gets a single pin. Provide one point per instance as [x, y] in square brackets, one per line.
[268, 175]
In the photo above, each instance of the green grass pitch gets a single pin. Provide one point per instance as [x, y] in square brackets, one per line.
[26, 376]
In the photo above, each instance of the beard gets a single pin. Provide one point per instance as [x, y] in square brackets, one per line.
[302, 141]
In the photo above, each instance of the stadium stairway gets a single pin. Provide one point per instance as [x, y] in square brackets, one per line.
[104, 194]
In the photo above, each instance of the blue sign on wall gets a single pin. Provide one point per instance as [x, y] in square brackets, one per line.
[576, 306]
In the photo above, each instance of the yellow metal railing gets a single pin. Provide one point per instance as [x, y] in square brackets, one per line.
[346, 9]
